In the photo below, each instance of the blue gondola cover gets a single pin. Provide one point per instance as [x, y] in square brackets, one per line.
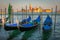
[37, 19]
[27, 25]
[10, 25]
[48, 20]
[46, 27]
[28, 19]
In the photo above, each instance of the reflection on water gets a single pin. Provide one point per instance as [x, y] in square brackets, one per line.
[37, 34]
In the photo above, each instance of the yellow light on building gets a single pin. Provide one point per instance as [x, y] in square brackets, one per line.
[48, 10]
[40, 9]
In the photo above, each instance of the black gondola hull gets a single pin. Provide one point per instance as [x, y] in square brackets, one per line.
[10, 28]
[7, 28]
[27, 29]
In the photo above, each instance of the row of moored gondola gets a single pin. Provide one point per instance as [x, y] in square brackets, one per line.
[24, 25]
[27, 25]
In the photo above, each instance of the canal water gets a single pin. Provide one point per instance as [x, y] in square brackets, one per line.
[37, 34]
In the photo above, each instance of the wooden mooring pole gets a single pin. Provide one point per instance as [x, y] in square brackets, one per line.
[55, 20]
[5, 12]
[22, 13]
[1, 13]
[26, 11]
[32, 13]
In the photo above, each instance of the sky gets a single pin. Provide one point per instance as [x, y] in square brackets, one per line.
[18, 4]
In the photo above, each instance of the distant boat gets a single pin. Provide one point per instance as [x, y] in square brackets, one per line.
[24, 26]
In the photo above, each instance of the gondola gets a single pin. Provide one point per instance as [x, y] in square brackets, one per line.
[31, 25]
[47, 28]
[23, 27]
[13, 26]
[47, 23]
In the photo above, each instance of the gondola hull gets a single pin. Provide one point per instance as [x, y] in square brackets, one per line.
[29, 28]
[7, 28]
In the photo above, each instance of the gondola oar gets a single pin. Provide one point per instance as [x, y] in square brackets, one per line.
[17, 23]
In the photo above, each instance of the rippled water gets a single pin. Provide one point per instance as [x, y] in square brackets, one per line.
[37, 35]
